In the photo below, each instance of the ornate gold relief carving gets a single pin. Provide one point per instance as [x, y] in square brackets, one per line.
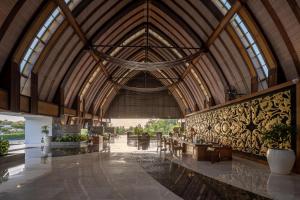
[242, 125]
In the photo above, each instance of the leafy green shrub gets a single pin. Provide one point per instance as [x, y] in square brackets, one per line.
[278, 135]
[14, 136]
[70, 138]
[4, 145]
[83, 137]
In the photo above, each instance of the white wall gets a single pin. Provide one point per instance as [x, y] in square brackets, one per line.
[33, 130]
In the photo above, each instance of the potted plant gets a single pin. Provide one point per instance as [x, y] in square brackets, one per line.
[280, 158]
[45, 132]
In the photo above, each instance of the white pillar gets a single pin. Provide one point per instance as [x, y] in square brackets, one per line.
[33, 128]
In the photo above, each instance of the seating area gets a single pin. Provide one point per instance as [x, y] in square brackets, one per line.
[198, 151]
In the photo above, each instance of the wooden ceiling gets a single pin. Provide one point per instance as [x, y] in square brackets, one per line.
[68, 69]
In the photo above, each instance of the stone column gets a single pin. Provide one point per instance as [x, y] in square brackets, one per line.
[33, 128]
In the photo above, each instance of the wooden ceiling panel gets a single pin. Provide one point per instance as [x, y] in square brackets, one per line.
[66, 62]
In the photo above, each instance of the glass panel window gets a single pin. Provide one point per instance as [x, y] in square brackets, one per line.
[260, 74]
[46, 37]
[41, 32]
[266, 70]
[245, 42]
[248, 42]
[250, 38]
[256, 63]
[250, 52]
[42, 37]
[261, 60]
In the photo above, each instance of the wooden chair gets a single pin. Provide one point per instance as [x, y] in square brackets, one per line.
[176, 147]
[166, 142]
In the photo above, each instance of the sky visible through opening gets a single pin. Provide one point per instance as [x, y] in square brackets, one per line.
[11, 118]
[129, 122]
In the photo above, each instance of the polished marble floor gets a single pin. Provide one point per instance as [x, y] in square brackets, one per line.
[133, 170]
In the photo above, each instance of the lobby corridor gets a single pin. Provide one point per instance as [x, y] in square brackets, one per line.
[133, 169]
[105, 175]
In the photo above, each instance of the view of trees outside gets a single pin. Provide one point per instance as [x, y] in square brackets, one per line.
[151, 127]
[15, 130]
[10, 130]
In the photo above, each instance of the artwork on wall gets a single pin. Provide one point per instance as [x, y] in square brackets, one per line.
[242, 125]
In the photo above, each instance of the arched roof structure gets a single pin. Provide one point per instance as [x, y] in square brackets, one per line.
[247, 46]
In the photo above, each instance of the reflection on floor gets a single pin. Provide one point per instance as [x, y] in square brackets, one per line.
[191, 185]
[137, 170]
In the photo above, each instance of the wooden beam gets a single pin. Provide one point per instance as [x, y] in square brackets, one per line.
[272, 78]
[61, 103]
[83, 108]
[49, 109]
[297, 163]
[34, 93]
[186, 71]
[217, 31]
[295, 7]
[10, 17]
[24, 104]
[224, 22]
[72, 21]
[4, 100]
[254, 84]
[78, 109]
[69, 111]
[96, 56]
[43, 108]
[14, 88]
[94, 53]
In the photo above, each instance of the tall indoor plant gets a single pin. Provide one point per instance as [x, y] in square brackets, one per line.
[280, 158]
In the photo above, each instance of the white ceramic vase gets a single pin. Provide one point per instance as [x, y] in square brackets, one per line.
[281, 161]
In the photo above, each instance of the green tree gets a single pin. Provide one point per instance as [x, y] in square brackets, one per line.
[120, 130]
[18, 125]
[161, 125]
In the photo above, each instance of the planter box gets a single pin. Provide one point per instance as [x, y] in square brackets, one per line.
[68, 144]
[12, 158]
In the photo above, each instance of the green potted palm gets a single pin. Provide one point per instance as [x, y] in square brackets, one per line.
[45, 132]
[280, 157]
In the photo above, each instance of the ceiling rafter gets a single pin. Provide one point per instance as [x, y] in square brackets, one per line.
[117, 86]
[72, 21]
[74, 24]
[217, 31]
[171, 86]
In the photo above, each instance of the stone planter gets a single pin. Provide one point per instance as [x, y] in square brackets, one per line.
[281, 161]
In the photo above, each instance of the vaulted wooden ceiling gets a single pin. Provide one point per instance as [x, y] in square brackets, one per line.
[67, 71]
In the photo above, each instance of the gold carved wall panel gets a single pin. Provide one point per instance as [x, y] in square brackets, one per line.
[242, 125]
